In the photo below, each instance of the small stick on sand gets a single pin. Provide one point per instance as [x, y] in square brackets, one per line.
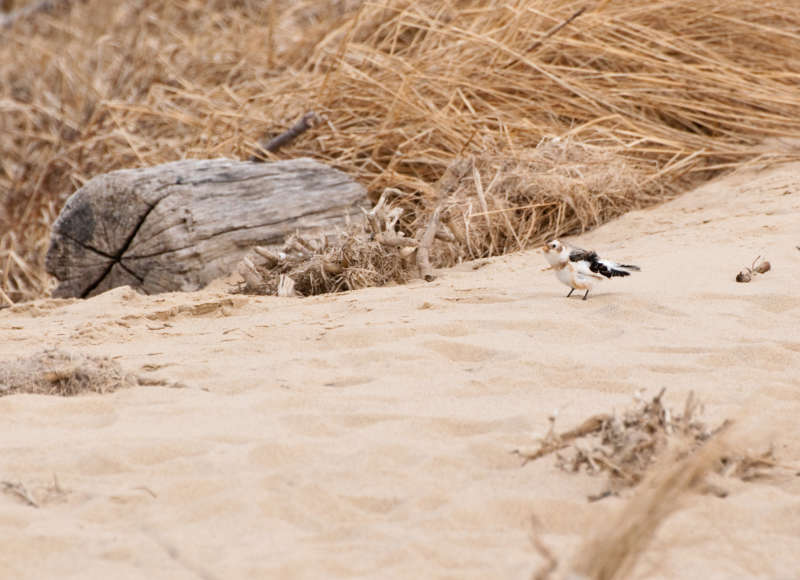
[20, 491]
[555, 442]
[305, 123]
[423, 251]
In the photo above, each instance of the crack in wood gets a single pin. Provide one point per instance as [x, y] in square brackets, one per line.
[117, 259]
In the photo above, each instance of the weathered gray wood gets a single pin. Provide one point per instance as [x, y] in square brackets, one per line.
[180, 225]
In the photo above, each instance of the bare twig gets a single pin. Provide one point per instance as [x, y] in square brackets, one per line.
[555, 442]
[423, 251]
[305, 123]
[20, 491]
[549, 34]
[395, 241]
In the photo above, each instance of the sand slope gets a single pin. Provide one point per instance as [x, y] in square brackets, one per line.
[368, 434]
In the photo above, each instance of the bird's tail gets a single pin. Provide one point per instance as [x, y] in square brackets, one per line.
[610, 269]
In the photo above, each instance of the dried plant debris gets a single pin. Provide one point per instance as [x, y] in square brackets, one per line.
[56, 372]
[758, 266]
[625, 446]
[373, 253]
[496, 204]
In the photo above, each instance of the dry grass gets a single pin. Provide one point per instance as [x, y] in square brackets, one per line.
[612, 551]
[55, 372]
[626, 446]
[495, 204]
[676, 90]
[664, 456]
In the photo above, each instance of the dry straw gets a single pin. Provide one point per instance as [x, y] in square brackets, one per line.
[664, 455]
[56, 372]
[673, 90]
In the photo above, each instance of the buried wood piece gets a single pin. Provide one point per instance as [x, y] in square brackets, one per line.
[180, 225]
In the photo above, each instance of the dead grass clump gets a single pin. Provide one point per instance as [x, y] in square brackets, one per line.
[626, 446]
[307, 267]
[373, 253]
[55, 372]
[495, 204]
[676, 89]
[487, 205]
[665, 455]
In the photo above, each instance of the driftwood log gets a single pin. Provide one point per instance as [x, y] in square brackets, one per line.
[180, 225]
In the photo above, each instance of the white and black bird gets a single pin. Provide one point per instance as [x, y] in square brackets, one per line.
[582, 269]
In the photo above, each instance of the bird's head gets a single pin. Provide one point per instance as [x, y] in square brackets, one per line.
[553, 246]
[555, 252]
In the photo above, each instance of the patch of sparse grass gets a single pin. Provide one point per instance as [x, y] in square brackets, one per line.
[56, 372]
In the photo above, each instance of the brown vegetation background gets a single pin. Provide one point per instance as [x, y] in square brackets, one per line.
[674, 90]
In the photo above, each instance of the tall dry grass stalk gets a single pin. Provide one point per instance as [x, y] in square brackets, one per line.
[612, 552]
[676, 89]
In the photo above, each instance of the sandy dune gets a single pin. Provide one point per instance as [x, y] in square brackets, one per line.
[368, 434]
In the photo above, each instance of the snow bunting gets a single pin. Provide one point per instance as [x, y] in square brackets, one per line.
[582, 269]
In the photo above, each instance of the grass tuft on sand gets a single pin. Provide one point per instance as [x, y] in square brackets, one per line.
[56, 372]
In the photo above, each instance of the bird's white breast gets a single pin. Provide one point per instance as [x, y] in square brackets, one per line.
[564, 276]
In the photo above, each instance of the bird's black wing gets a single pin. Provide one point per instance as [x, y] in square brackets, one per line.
[605, 268]
[596, 265]
[577, 254]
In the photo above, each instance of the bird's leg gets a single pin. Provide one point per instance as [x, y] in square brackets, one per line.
[585, 296]
[570, 292]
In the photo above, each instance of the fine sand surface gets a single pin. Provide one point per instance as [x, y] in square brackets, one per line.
[369, 434]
